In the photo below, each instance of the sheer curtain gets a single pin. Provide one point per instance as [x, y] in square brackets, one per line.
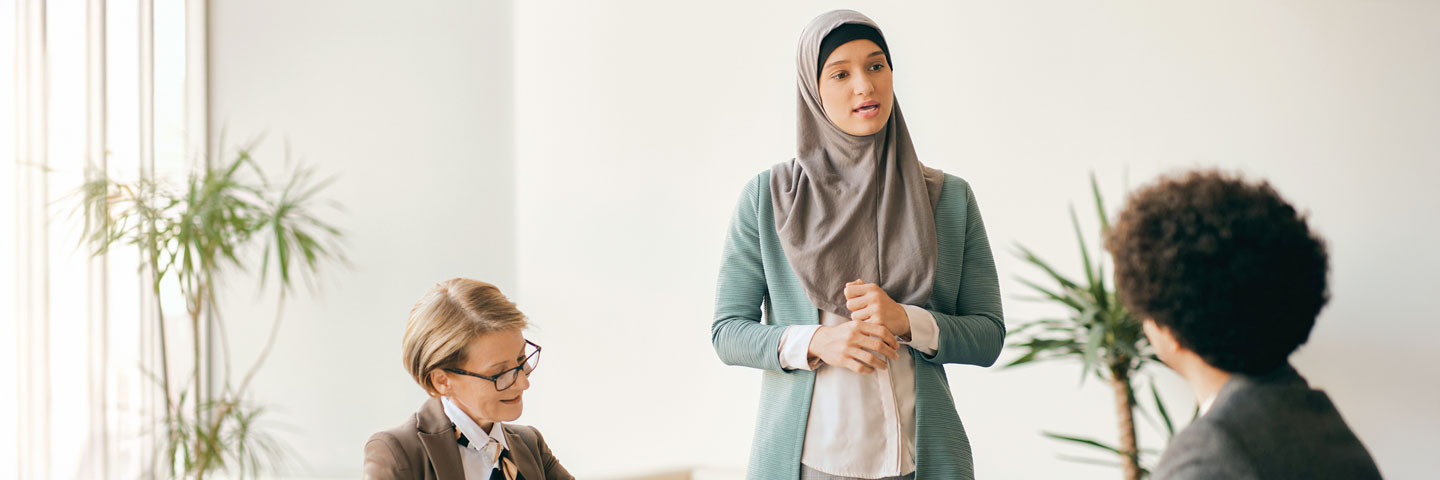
[114, 88]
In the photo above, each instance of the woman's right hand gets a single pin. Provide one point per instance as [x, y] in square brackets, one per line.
[859, 346]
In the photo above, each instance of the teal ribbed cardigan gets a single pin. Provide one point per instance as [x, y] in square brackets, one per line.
[755, 275]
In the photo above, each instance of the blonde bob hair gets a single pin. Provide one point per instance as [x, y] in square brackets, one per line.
[446, 319]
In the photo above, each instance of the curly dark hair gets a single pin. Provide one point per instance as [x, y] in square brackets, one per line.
[1230, 268]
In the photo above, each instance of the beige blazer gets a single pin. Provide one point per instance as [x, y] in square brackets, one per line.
[424, 447]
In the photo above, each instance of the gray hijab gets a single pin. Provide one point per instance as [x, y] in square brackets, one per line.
[849, 207]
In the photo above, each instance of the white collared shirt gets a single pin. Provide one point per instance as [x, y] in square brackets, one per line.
[861, 425]
[479, 456]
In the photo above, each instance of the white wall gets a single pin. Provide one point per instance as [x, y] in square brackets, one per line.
[410, 106]
[637, 123]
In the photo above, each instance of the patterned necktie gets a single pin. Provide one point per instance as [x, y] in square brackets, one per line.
[505, 468]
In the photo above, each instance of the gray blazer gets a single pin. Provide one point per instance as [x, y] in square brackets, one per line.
[1266, 427]
[425, 447]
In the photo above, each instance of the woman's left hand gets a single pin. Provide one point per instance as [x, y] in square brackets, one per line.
[869, 303]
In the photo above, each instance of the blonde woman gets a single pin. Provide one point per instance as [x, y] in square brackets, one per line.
[464, 345]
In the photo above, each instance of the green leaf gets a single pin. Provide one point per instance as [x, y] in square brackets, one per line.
[1033, 259]
[1098, 291]
[1024, 359]
[1127, 348]
[1084, 251]
[1072, 303]
[1084, 441]
[1087, 318]
[1100, 206]
[1160, 407]
[1092, 350]
[1026, 330]
[1051, 345]
[282, 251]
[1091, 461]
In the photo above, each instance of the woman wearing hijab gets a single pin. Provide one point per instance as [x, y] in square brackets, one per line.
[872, 272]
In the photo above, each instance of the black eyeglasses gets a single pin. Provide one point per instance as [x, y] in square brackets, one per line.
[507, 378]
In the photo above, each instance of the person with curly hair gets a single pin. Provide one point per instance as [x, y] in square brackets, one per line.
[1229, 279]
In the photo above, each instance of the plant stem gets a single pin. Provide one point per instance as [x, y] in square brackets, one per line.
[1124, 410]
[269, 344]
[170, 407]
[196, 313]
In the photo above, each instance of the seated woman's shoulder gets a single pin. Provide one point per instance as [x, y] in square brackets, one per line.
[528, 433]
[395, 445]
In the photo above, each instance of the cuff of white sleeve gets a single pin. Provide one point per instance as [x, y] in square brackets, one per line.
[795, 347]
[924, 333]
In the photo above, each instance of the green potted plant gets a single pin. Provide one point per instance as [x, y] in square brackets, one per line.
[1099, 333]
[226, 217]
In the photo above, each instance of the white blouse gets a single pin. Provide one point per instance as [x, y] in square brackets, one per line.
[477, 458]
[861, 425]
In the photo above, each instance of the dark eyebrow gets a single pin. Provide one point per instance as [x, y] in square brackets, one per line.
[837, 62]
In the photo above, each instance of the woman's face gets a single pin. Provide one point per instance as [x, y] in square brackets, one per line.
[488, 355]
[855, 88]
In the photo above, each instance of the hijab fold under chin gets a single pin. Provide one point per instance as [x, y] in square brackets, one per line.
[849, 207]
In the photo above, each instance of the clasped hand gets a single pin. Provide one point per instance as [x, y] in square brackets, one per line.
[863, 344]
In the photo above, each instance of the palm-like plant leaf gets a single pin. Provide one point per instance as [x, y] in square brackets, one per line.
[1097, 330]
[188, 237]
[1160, 408]
[1089, 442]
